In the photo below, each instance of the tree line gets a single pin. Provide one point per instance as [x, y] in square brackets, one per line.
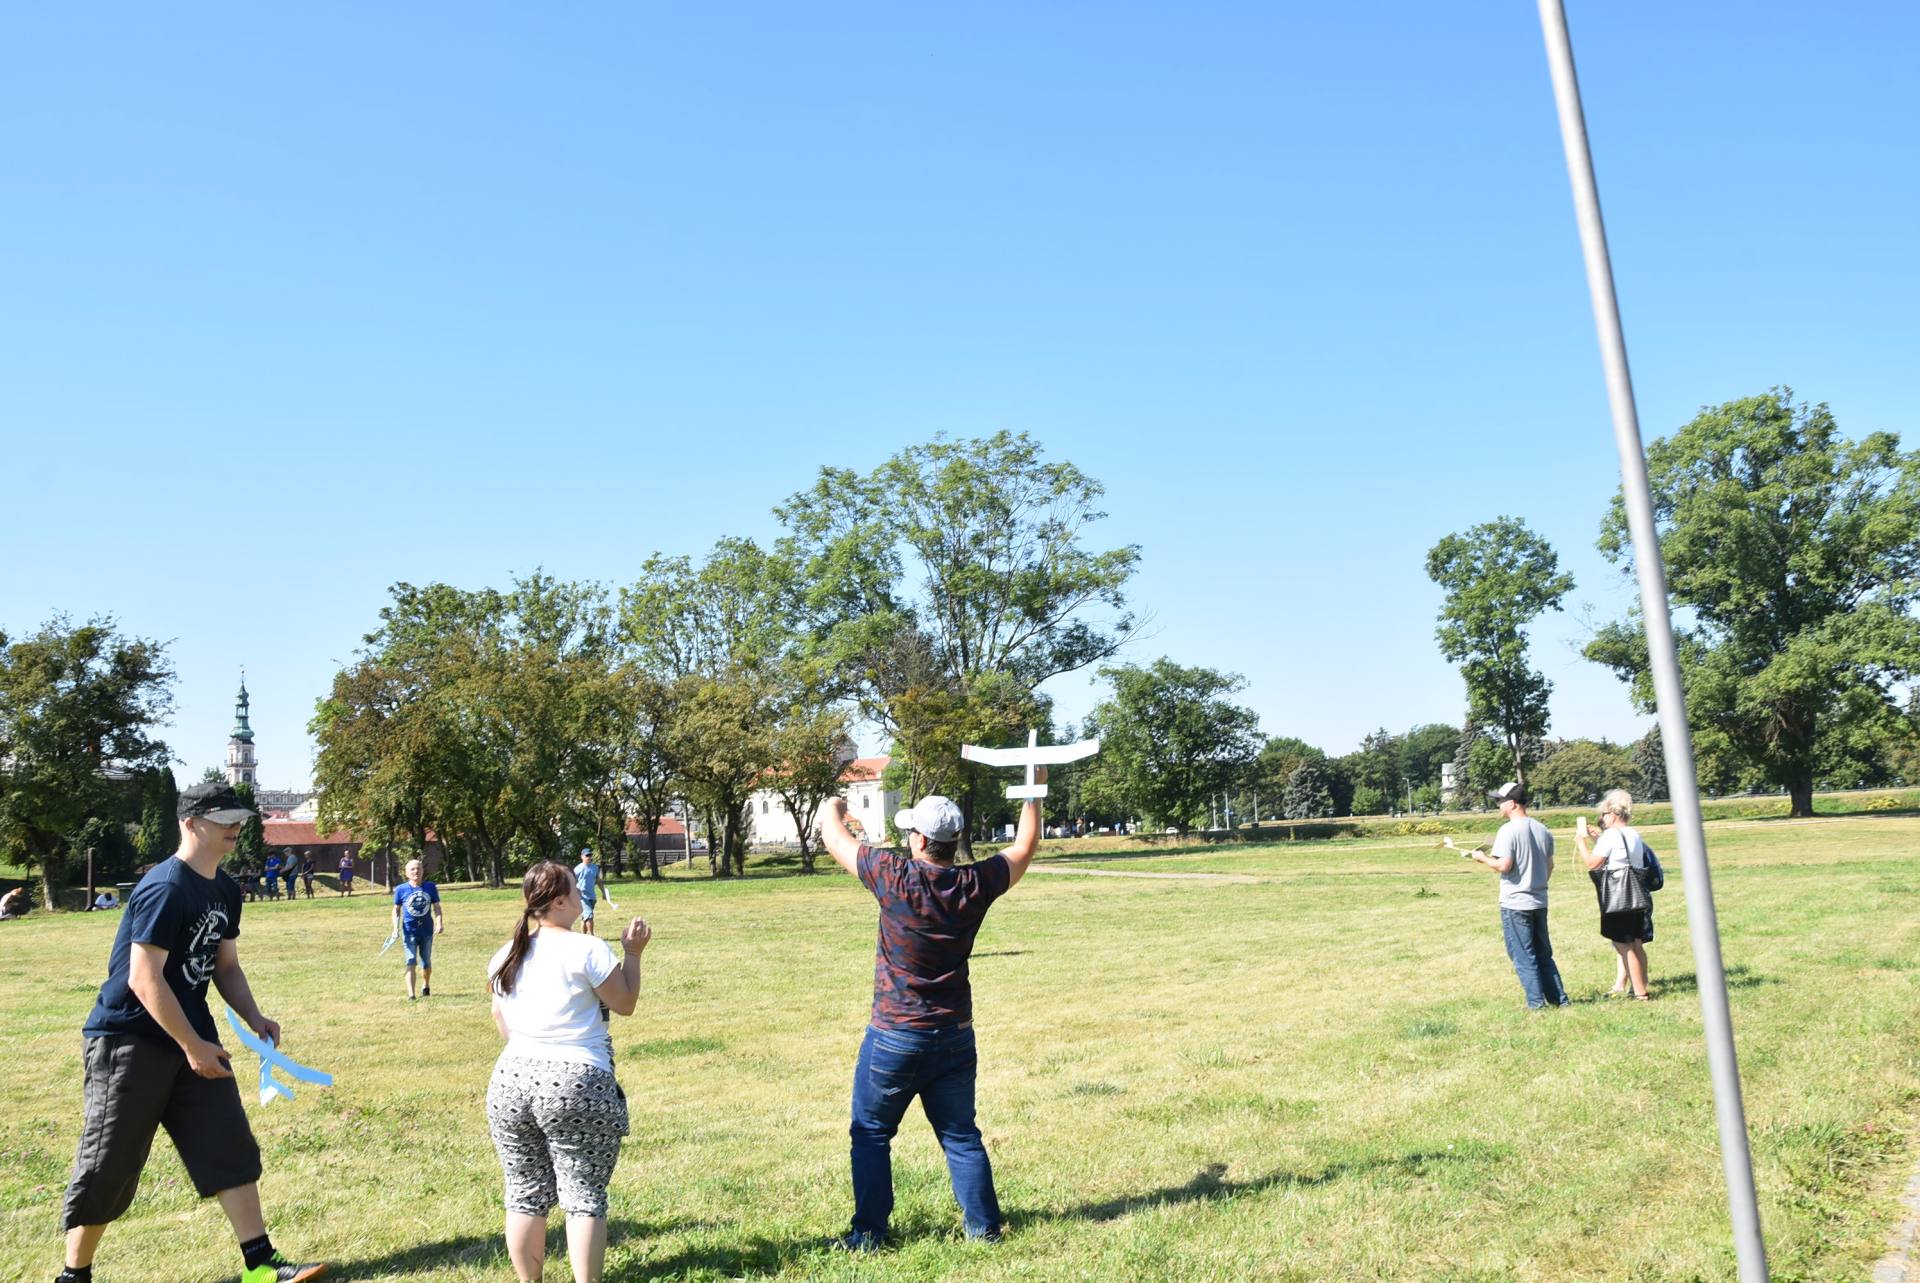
[933, 596]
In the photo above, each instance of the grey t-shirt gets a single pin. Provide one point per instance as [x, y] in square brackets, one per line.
[1529, 842]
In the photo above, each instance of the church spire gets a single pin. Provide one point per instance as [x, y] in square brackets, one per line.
[242, 731]
[241, 766]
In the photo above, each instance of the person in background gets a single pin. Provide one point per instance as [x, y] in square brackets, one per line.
[273, 875]
[1523, 857]
[346, 875]
[919, 1040]
[554, 1109]
[15, 903]
[306, 872]
[289, 870]
[586, 876]
[417, 917]
[1619, 846]
[106, 900]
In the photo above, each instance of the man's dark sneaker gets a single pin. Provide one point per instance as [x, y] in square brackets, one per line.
[425, 992]
[856, 1241]
[278, 1269]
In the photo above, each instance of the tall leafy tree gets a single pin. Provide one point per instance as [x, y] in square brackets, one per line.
[76, 700]
[945, 586]
[251, 846]
[1423, 750]
[1793, 557]
[1171, 738]
[1499, 577]
[812, 742]
[717, 634]
[1578, 771]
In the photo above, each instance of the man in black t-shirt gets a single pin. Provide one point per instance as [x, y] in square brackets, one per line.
[919, 1041]
[152, 1052]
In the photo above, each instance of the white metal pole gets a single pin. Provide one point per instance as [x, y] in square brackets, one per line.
[1702, 922]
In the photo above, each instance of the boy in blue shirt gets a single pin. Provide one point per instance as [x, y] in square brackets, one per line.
[417, 917]
[586, 875]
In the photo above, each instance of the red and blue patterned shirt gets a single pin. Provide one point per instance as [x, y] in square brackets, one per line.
[929, 916]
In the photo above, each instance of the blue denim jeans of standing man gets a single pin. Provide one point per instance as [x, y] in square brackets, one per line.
[939, 1066]
[1532, 954]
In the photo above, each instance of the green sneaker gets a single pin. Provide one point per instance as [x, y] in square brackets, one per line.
[280, 1270]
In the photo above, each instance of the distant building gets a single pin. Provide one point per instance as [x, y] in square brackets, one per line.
[241, 766]
[868, 801]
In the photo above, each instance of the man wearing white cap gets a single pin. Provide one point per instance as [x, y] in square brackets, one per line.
[920, 1039]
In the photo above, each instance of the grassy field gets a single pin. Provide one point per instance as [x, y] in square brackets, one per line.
[1321, 1070]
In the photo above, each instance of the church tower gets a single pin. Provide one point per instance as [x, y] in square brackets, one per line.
[241, 768]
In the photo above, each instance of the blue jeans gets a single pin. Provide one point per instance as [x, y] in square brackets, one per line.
[939, 1066]
[1532, 954]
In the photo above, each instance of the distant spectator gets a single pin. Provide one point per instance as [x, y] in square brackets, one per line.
[273, 876]
[1619, 846]
[106, 900]
[289, 870]
[14, 904]
[306, 873]
[346, 875]
[586, 876]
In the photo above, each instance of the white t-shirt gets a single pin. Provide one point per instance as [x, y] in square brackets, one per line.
[1622, 846]
[553, 1012]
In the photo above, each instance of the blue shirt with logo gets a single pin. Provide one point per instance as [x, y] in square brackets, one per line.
[175, 909]
[416, 908]
[588, 876]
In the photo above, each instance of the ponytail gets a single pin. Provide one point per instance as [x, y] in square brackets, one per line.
[546, 881]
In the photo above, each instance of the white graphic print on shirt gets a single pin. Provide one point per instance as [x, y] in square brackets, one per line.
[203, 946]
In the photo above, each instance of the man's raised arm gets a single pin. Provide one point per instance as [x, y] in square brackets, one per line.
[841, 844]
[1026, 839]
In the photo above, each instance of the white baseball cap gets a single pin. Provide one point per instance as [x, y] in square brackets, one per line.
[933, 817]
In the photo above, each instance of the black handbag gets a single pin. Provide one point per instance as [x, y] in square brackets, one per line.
[1621, 891]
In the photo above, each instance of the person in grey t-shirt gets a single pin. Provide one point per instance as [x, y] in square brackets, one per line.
[1523, 857]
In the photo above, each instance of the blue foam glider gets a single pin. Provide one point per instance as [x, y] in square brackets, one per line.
[271, 1056]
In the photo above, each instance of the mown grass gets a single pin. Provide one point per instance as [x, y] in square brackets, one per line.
[1322, 1074]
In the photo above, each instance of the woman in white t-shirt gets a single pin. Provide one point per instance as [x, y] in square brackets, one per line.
[553, 1107]
[1620, 846]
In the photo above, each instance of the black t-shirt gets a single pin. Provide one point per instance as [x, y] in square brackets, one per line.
[929, 915]
[177, 910]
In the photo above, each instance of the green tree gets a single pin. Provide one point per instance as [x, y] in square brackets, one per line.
[1376, 770]
[159, 835]
[1306, 797]
[1793, 558]
[1650, 767]
[811, 745]
[718, 636]
[647, 777]
[76, 701]
[1499, 576]
[945, 586]
[1577, 772]
[1423, 750]
[1171, 738]
[251, 846]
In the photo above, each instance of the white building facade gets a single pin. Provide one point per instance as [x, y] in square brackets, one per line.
[868, 801]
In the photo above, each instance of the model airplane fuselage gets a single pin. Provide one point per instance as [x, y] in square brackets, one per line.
[1031, 756]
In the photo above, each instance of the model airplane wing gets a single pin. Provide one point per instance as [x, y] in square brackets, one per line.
[995, 756]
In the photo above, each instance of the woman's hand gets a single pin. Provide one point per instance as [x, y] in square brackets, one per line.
[634, 938]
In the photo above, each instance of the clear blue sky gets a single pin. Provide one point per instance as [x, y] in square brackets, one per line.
[314, 299]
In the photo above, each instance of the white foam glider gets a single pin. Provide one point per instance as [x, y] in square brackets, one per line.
[1031, 756]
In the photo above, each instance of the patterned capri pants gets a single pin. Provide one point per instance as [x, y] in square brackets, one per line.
[557, 1126]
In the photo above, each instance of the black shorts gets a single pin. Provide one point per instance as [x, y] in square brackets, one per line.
[133, 1086]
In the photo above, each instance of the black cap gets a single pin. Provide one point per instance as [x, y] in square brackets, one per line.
[216, 802]
[1509, 792]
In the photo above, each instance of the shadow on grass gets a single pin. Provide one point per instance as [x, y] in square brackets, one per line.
[1738, 977]
[750, 1256]
[1210, 1184]
[424, 1258]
